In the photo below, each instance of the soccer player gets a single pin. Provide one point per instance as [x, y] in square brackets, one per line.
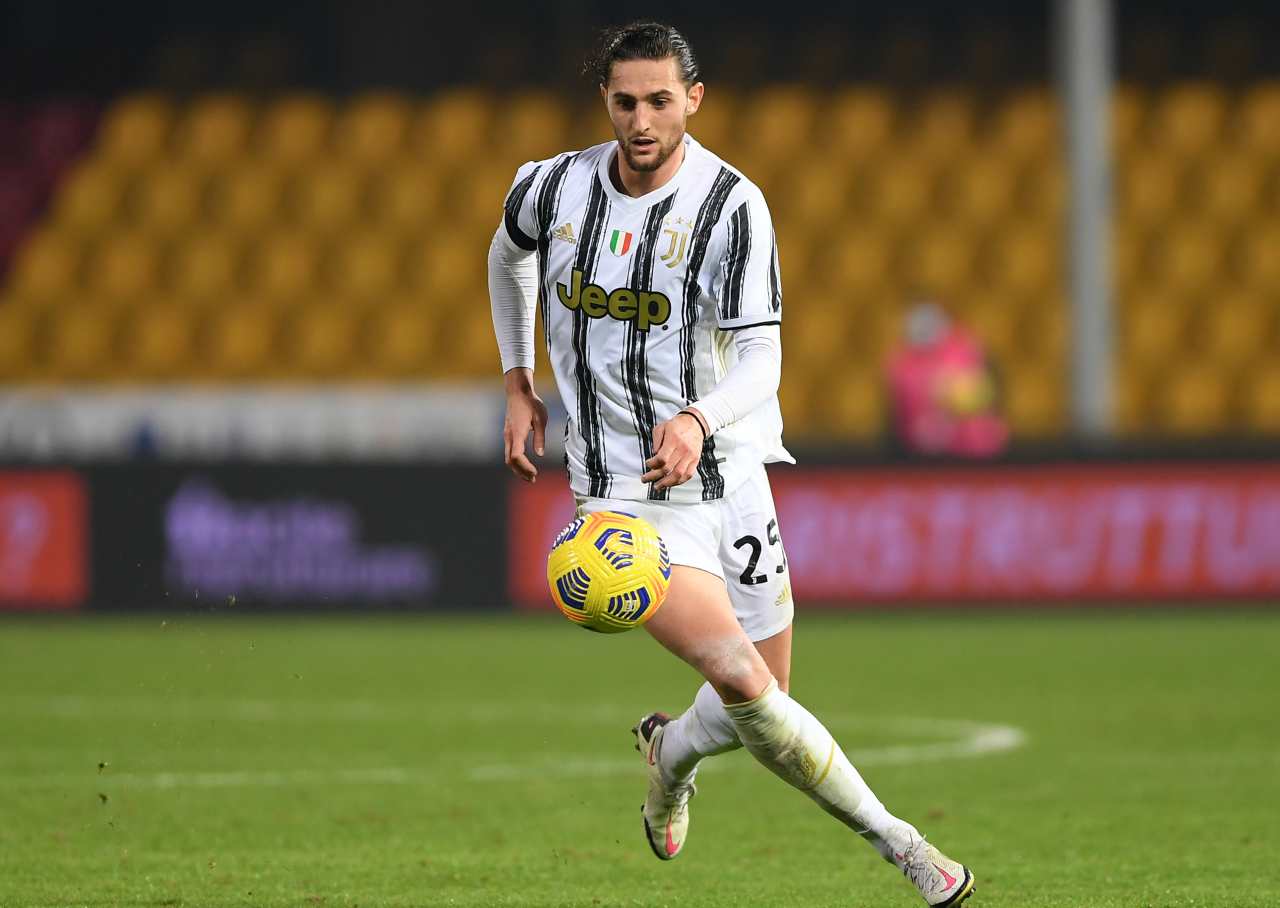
[656, 270]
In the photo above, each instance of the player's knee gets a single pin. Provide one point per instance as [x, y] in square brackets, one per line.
[736, 671]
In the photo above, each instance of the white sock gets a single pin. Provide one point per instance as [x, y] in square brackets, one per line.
[704, 730]
[785, 737]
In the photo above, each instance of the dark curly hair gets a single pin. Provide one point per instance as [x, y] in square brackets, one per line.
[641, 41]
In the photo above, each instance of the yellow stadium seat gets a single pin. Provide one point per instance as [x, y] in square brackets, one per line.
[215, 131]
[465, 346]
[781, 119]
[901, 189]
[81, 344]
[285, 267]
[1228, 187]
[1259, 262]
[938, 260]
[1194, 399]
[167, 198]
[1042, 192]
[322, 339]
[446, 267]
[204, 268]
[1034, 399]
[814, 192]
[858, 124]
[1260, 120]
[1262, 399]
[1129, 108]
[712, 124]
[1148, 185]
[1027, 127]
[452, 126]
[373, 130]
[239, 341]
[1025, 259]
[1153, 326]
[295, 130]
[816, 341]
[1187, 258]
[534, 127]
[400, 338]
[408, 196]
[980, 189]
[859, 264]
[478, 194]
[366, 266]
[797, 403]
[17, 337]
[91, 198]
[248, 198]
[1238, 328]
[1128, 245]
[157, 341]
[994, 320]
[125, 267]
[1188, 120]
[1044, 328]
[943, 125]
[136, 131]
[1131, 400]
[853, 404]
[46, 265]
[327, 197]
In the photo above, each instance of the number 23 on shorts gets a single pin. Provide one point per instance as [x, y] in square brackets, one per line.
[749, 576]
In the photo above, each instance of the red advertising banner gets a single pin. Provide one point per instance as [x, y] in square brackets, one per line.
[1054, 532]
[43, 532]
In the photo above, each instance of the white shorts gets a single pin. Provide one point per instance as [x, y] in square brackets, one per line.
[736, 538]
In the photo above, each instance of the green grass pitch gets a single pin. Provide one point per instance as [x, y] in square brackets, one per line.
[223, 761]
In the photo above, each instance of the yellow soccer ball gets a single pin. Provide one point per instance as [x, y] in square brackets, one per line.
[608, 571]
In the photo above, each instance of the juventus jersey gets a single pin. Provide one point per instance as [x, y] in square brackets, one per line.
[638, 298]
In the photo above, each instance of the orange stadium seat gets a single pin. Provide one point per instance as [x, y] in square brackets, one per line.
[322, 339]
[452, 126]
[943, 125]
[125, 267]
[712, 124]
[1226, 188]
[239, 341]
[1024, 260]
[248, 198]
[1260, 120]
[167, 198]
[852, 403]
[1238, 328]
[859, 264]
[1035, 399]
[1129, 107]
[534, 126]
[938, 260]
[407, 196]
[285, 266]
[366, 266]
[1187, 257]
[17, 336]
[156, 341]
[327, 197]
[979, 191]
[46, 266]
[399, 338]
[1147, 186]
[1262, 399]
[902, 191]
[1153, 326]
[82, 342]
[1188, 120]
[1194, 399]
[1259, 263]
[90, 200]
[780, 121]
[1027, 127]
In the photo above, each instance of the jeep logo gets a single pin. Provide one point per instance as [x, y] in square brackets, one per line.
[644, 307]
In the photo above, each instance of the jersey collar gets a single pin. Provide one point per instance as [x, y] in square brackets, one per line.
[691, 147]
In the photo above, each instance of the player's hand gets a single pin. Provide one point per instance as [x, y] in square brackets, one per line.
[525, 413]
[677, 447]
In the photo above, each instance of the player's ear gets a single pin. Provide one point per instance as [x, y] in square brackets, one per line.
[604, 94]
[696, 91]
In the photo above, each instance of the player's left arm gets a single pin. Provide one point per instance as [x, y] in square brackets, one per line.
[748, 292]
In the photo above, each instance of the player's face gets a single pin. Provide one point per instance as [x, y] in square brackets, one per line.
[649, 104]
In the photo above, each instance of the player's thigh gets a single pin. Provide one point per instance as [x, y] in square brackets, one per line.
[754, 564]
[696, 623]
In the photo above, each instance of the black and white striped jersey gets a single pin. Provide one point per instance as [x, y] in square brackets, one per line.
[638, 298]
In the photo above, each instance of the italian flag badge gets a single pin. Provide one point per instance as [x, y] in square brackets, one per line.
[620, 242]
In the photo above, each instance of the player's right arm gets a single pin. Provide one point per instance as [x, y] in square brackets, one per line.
[513, 298]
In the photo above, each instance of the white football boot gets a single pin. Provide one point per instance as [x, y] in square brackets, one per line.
[666, 809]
[942, 881]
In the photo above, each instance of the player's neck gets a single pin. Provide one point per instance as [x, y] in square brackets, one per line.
[636, 183]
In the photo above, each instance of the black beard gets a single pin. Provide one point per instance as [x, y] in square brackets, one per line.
[663, 154]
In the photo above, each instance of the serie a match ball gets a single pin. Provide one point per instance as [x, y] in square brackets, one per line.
[608, 571]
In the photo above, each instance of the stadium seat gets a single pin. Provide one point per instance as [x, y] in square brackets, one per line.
[1227, 188]
[285, 266]
[365, 266]
[373, 130]
[17, 336]
[90, 199]
[465, 346]
[1023, 260]
[813, 193]
[1035, 400]
[239, 341]
[994, 319]
[136, 131]
[1260, 120]
[1147, 186]
[1187, 257]
[1194, 399]
[1152, 326]
[46, 265]
[214, 132]
[712, 124]
[294, 131]
[81, 343]
[783, 117]
[859, 264]
[407, 196]
[451, 126]
[399, 338]
[327, 197]
[1129, 106]
[938, 260]
[534, 125]
[249, 198]
[853, 404]
[1188, 120]
[857, 124]
[1259, 264]
[156, 341]
[124, 268]
[903, 189]
[321, 340]
[204, 268]
[167, 198]
[980, 191]
[1262, 399]
[942, 126]
[1237, 328]
[1027, 127]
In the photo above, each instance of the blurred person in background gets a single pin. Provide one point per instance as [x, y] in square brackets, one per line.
[943, 392]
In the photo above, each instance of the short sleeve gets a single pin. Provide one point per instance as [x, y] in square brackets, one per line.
[518, 216]
[749, 283]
